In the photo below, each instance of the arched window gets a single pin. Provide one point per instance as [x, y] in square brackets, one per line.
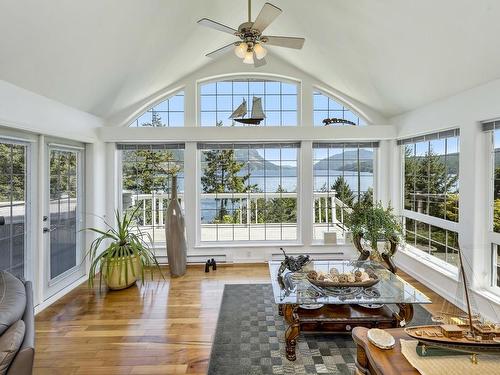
[326, 110]
[169, 113]
[277, 99]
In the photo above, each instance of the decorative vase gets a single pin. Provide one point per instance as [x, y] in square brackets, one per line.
[175, 234]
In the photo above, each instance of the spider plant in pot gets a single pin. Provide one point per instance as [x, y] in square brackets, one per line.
[370, 224]
[126, 255]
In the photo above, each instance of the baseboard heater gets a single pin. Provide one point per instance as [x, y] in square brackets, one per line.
[197, 259]
[315, 256]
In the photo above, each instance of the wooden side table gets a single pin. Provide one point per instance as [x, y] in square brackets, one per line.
[371, 360]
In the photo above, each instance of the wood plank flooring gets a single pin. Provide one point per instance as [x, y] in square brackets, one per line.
[162, 327]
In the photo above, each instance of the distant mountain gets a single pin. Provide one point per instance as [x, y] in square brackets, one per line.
[350, 163]
[258, 164]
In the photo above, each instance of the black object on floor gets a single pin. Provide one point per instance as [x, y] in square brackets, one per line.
[250, 337]
[214, 265]
[207, 266]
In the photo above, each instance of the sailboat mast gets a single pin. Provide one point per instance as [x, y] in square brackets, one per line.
[469, 312]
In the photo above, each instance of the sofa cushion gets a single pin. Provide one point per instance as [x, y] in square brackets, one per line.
[10, 342]
[12, 300]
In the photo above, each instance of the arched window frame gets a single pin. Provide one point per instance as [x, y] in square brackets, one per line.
[174, 117]
[236, 101]
[336, 108]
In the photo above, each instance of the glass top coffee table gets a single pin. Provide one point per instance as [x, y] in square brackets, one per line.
[307, 307]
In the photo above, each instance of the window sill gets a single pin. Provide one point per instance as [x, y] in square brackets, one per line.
[491, 294]
[212, 245]
[431, 262]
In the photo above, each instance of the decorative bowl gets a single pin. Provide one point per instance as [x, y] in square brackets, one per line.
[331, 284]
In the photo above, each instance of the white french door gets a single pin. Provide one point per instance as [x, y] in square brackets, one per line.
[63, 220]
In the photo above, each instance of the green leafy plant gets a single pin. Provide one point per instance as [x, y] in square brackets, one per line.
[374, 223]
[127, 243]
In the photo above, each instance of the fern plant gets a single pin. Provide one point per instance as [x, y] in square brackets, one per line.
[127, 244]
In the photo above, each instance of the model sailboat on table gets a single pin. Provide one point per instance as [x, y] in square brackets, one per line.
[257, 113]
[460, 333]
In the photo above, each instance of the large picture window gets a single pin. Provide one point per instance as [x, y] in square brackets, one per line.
[248, 192]
[343, 175]
[169, 113]
[495, 127]
[219, 99]
[431, 193]
[431, 181]
[324, 108]
[146, 183]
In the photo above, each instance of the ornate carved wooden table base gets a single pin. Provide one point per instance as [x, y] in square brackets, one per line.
[339, 319]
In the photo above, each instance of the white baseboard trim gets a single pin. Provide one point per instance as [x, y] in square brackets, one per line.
[49, 301]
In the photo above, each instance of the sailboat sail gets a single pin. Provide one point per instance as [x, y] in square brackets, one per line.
[257, 111]
[240, 111]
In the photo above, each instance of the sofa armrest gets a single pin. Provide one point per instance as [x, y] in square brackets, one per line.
[23, 361]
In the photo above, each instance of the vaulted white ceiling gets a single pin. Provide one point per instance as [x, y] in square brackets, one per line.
[101, 56]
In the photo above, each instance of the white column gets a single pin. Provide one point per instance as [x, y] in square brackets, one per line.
[384, 170]
[473, 203]
[305, 190]
[191, 193]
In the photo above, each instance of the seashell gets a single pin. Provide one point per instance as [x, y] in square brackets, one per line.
[334, 271]
[357, 273]
[351, 278]
[312, 275]
[321, 277]
[357, 279]
[342, 278]
[335, 279]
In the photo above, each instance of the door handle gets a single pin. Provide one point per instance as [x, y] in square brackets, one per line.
[51, 229]
[2, 220]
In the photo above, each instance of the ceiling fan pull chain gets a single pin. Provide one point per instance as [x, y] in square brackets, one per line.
[249, 10]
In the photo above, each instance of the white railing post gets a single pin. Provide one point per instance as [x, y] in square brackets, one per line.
[160, 207]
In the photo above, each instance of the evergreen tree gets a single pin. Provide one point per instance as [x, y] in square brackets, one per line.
[221, 175]
[282, 209]
[148, 172]
[343, 191]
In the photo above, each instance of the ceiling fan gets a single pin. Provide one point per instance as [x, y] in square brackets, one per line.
[250, 47]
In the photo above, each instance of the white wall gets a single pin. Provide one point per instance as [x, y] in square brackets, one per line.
[26, 115]
[463, 111]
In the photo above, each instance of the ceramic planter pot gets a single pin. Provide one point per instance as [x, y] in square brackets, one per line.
[116, 279]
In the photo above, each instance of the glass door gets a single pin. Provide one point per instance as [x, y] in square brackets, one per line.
[64, 221]
[13, 207]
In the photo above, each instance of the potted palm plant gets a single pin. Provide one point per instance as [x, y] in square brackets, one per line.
[126, 256]
[371, 224]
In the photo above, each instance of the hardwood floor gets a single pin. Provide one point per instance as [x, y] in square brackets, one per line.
[163, 327]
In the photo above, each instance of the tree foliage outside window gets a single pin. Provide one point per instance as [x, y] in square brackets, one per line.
[496, 181]
[431, 178]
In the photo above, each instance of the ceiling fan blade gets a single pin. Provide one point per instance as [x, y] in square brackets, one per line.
[267, 15]
[285, 41]
[221, 51]
[258, 63]
[217, 26]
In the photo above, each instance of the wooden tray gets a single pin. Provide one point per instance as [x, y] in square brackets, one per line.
[330, 284]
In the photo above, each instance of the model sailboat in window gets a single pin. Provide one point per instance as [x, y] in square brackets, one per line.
[257, 113]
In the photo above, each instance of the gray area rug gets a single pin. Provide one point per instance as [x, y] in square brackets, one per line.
[250, 339]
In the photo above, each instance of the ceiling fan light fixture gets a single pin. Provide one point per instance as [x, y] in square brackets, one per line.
[260, 52]
[248, 57]
[240, 50]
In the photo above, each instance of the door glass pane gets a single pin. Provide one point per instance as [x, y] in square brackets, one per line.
[13, 207]
[64, 202]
